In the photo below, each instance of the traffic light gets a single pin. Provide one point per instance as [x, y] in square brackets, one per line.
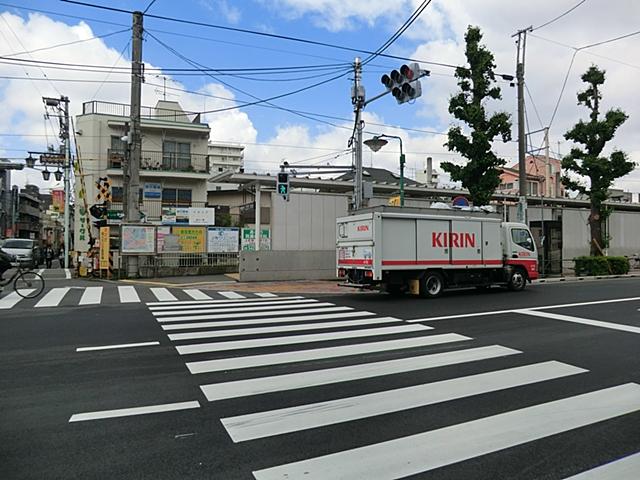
[405, 83]
[283, 185]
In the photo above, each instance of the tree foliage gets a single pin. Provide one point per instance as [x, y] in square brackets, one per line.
[588, 161]
[481, 174]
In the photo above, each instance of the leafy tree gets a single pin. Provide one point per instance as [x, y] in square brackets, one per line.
[588, 161]
[481, 174]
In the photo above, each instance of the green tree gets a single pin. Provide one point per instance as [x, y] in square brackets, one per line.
[588, 161]
[481, 174]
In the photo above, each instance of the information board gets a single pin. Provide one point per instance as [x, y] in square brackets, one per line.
[191, 239]
[249, 239]
[223, 239]
[138, 239]
[202, 216]
[104, 248]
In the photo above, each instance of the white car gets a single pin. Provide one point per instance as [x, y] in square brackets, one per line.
[24, 250]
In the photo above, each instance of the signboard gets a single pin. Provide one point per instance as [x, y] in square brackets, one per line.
[115, 217]
[138, 239]
[161, 233]
[175, 215]
[152, 190]
[202, 216]
[249, 239]
[57, 200]
[191, 239]
[223, 239]
[104, 248]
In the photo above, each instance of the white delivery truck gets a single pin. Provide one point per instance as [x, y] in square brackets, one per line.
[425, 251]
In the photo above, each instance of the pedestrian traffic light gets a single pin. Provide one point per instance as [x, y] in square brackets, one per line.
[283, 185]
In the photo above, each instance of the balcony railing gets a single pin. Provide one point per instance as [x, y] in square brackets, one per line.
[124, 110]
[164, 161]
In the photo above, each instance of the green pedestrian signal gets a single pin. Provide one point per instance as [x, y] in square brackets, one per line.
[283, 185]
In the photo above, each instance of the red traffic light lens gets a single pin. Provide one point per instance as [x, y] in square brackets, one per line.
[407, 72]
[283, 177]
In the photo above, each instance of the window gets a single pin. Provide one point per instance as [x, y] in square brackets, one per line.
[117, 144]
[176, 155]
[117, 195]
[172, 197]
[533, 188]
[220, 169]
[522, 238]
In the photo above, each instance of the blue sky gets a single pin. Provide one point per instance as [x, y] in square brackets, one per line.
[272, 135]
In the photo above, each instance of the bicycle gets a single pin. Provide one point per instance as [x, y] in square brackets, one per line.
[26, 283]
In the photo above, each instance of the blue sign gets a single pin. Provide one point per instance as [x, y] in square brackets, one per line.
[152, 190]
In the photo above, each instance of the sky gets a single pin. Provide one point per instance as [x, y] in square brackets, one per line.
[318, 133]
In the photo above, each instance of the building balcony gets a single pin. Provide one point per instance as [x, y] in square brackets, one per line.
[25, 209]
[149, 113]
[163, 161]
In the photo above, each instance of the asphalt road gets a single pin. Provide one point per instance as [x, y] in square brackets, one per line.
[527, 387]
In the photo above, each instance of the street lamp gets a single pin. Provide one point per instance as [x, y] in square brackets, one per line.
[376, 143]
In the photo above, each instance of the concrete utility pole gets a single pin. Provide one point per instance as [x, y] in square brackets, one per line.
[132, 211]
[357, 99]
[522, 167]
[67, 174]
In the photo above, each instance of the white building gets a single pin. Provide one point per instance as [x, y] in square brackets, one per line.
[225, 157]
[174, 167]
[427, 175]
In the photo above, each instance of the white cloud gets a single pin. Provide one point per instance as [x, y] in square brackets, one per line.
[221, 7]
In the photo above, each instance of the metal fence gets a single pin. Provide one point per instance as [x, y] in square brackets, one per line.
[163, 161]
[178, 264]
[124, 110]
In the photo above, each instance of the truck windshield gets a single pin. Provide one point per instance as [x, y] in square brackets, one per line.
[522, 238]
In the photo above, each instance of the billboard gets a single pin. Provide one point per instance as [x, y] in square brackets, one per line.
[191, 239]
[223, 239]
[138, 239]
[57, 200]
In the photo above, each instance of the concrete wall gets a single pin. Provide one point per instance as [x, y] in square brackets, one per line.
[306, 222]
[288, 265]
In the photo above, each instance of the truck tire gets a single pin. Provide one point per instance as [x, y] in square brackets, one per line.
[517, 280]
[431, 285]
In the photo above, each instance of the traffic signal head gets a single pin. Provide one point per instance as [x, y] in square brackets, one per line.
[282, 185]
[408, 87]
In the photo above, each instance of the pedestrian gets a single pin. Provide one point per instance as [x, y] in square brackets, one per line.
[61, 256]
[48, 255]
[5, 262]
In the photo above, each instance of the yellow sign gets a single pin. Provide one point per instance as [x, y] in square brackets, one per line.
[395, 201]
[191, 239]
[104, 248]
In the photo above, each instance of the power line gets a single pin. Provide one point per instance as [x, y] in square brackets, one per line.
[564, 84]
[111, 71]
[75, 42]
[560, 16]
[262, 34]
[149, 6]
[637, 32]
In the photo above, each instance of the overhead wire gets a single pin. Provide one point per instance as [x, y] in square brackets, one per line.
[560, 16]
[111, 71]
[66, 44]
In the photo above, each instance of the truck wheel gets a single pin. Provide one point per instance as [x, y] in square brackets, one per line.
[517, 280]
[431, 285]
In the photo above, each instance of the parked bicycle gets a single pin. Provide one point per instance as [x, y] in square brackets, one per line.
[26, 283]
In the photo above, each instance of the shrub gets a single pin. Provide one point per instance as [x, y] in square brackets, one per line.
[601, 265]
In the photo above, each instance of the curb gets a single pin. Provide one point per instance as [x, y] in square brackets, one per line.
[585, 279]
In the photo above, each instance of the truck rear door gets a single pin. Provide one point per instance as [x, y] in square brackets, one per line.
[354, 241]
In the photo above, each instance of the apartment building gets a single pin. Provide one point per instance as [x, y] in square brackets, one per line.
[225, 157]
[174, 166]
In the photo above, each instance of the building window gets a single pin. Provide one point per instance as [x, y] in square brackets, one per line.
[117, 144]
[172, 197]
[176, 155]
[116, 194]
[533, 188]
[220, 169]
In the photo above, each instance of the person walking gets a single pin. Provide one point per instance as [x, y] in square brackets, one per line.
[48, 255]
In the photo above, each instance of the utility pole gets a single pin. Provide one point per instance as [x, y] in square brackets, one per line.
[357, 99]
[134, 138]
[522, 167]
[66, 174]
[543, 237]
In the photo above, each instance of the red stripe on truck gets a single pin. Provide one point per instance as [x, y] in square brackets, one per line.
[355, 261]
[441, 262]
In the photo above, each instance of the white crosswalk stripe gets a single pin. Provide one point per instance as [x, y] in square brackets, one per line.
[627, 468]
[231, 295]
[163, 295]
[128, 294]
[11, 300]
[91, 296]
[304, 332]
[427, 451]
[53, 297]
[266, 295]
[197, 294]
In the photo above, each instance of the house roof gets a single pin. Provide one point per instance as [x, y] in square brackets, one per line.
[379, 175]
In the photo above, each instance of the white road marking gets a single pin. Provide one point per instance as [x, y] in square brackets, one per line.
[12, 299]
[225, 308]
[113, 347]
[265, 294]
[427, 451]
[264, 321]
[197, 294]
[277, 383]
[216, 308]
[626, 468]
[127, 412]
[297, 310]
[91, 296]
[583, 321]
[247, 301]
[128, 294]
[53, 297]
[321, 353]
[163, 294]
[67, 273]
[296, 339]
[41, 271]
[281, 328]
[231, 295]
[542, 307]
[303, 417]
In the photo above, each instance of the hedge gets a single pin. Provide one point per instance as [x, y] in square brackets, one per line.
[601, 265]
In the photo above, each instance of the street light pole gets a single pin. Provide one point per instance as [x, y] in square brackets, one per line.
[376, 143]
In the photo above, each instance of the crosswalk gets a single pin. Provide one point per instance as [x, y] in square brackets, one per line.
[82, 296]
[240, 350]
